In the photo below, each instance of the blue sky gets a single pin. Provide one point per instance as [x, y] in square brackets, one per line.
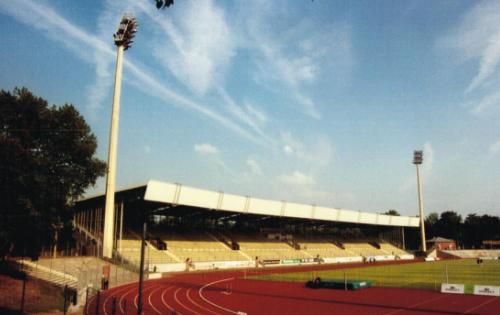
[318, 102]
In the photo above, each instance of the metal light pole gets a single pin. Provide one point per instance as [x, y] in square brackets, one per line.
[123, 40]
[141, 266]
[418, 157]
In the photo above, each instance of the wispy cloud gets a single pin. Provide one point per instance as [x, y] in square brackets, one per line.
[297, 178]
[488, 64]
[293, 57]
[485, 103]
[205, 148]
[494, 148]
[255, 112]
[74, 38]
[82, 43]
[206, 43]
[479, 33]
[477, 38]
[301, 187]
[275, 67]
[254, 166]
[200, 47]
[57, 28]
[249, 115]
[317, 154]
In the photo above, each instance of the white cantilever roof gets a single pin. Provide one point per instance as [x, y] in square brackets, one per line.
[183, 195]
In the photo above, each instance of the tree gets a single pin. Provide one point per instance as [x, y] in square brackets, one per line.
[430, 224]
[449, 225]
[472, 231]
[163, 3]
[392, 212]
[46, 162]
[476, 229]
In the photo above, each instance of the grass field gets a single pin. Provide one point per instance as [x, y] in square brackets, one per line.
[424, 275]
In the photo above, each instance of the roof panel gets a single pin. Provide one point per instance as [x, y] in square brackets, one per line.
[189, 196]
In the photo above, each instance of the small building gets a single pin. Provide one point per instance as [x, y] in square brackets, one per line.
[441, 243]
[491, 244]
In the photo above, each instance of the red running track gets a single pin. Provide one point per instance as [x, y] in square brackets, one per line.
[229, 293]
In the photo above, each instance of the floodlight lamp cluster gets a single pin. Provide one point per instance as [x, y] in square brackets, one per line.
[418, 157]
[126, 31]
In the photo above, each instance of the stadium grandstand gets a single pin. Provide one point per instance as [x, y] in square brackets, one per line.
[192, 229]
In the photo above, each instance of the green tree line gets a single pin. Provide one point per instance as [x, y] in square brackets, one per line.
[468, 233]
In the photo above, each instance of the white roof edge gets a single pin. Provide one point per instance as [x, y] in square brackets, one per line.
[165, 192]
[95, 195]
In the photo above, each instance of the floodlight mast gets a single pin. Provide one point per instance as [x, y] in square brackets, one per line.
[418, 158]
[123, 39]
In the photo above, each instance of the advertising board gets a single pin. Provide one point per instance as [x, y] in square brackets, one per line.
[486, 290]
[452, 288]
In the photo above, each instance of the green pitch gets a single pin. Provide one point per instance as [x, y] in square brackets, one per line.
[424, 275]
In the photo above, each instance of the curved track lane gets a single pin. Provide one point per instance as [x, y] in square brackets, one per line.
[229, 293]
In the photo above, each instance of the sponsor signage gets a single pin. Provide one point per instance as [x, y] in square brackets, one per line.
[271, 261]
[330, 260]
[486, 290]
[452, 288]
[291, 261]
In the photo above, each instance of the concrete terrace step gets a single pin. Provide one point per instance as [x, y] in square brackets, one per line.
[53, 276]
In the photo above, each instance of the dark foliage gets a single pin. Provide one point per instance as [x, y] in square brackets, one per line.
[476, 229]
[392, 212]
[469, 233]
[449, 225]
[163, 3]
[46, 162]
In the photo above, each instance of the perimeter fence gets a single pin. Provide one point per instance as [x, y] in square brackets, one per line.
[58, 285]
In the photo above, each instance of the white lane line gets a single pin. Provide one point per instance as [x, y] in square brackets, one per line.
[183, 305]
[136, 297]
[410, 308]
[151, 303]
[115, 293]
[480, 305]
[87, 305]
[200, 293]
[202, 307]
[163, 299]
[122, 299]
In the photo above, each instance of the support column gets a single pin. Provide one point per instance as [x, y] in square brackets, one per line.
[107, 249]
[121, 226]
[403, 237]
[141, 268]
[421, 210]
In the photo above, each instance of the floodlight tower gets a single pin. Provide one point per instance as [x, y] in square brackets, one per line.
[418, 158]
[123, 40]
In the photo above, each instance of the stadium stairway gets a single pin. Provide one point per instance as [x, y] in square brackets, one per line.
[166, 252]
[52, 276]
[224, 244]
